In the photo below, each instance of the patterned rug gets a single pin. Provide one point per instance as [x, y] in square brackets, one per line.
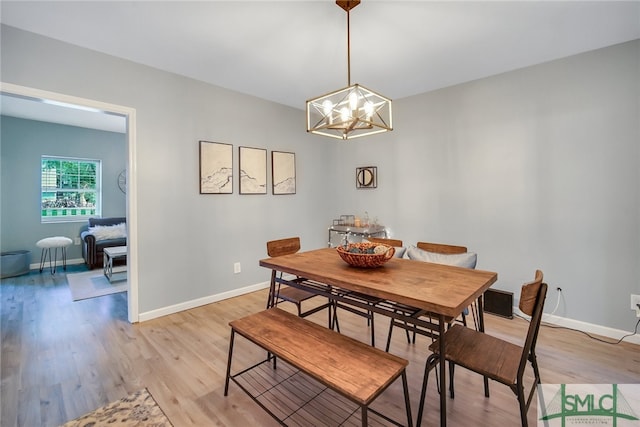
[136, 410]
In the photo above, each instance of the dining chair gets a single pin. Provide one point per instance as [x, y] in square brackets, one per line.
[387, 241]
[492, 357]
[369, 315]
[444, 249]
[439, 253]
[291, 294]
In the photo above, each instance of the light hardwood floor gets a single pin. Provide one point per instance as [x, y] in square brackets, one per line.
[61, 359]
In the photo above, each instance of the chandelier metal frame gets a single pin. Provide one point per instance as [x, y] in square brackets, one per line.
[353, 111]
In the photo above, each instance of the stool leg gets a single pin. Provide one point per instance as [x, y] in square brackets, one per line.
[43, 258]
[64, 258]
[53, 269]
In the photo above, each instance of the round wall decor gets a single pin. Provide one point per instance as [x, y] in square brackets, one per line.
[122, 181]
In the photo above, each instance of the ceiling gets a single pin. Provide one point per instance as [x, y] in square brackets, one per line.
[290, 51]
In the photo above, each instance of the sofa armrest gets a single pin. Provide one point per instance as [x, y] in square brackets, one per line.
[88, 238]
[89, 248]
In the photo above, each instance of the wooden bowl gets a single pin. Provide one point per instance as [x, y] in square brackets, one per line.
[365, 260]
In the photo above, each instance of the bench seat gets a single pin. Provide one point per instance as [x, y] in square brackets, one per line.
[352, 368]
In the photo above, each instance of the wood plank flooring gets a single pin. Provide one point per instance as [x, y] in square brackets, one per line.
[61, 359]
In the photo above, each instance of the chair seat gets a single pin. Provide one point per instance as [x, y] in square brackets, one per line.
[294, 295]
[481, 353]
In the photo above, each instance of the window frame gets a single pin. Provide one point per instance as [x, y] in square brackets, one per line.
[59, 214]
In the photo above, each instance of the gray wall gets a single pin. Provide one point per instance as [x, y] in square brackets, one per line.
[22, 143]
[536, 168]
[187, 242]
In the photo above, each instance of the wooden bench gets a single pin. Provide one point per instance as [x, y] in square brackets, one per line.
[354, 369]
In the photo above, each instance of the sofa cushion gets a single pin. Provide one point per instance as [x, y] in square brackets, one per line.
[106, 221]
[109, 232]
[466, 260]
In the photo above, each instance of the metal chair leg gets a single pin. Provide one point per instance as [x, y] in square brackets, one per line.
[432, 361]
[373, 330]
[389, 336]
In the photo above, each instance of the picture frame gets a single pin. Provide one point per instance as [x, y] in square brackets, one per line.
[367, 177]
[216, 168]
[283, 172]
[252, 170]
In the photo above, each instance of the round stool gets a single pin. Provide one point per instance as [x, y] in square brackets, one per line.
[49, 243]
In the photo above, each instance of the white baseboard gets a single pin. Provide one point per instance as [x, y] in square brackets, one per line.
[590, 328]
[36, 266]
[148, 315]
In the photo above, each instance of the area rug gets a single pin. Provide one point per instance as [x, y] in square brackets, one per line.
[90, 284]
[136, 410]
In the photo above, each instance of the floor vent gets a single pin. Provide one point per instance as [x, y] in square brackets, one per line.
[499, 303]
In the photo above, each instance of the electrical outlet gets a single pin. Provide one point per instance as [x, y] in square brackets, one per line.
[236, 268]
[635, 300]
[76, 241]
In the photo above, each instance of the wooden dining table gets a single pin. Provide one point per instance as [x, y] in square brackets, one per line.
[442, 291]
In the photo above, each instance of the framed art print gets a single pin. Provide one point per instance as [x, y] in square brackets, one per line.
[253, 170]
[367, 177]
[283, 172]
[216, 168]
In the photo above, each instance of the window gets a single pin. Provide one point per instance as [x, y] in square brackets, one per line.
[70, 189]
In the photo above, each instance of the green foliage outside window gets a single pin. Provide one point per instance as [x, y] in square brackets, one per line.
[69, 188]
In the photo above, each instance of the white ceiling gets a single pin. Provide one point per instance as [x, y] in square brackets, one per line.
[290, 51]
[72, 115]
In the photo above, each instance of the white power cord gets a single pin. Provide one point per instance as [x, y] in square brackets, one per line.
[559, 289]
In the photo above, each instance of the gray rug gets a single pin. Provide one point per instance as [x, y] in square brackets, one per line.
[91, 284]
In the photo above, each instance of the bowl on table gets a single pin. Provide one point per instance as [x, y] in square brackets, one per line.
[366, 254]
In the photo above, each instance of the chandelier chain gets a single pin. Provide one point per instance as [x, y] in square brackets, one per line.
[348, 50]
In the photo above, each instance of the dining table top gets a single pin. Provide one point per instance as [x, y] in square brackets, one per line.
[441, 289]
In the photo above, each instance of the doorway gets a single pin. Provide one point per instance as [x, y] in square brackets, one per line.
[38, 97]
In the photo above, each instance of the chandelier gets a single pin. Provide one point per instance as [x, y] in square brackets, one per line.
[353, 111]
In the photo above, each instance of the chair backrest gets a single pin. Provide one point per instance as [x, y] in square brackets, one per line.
[442, 248]
[383, 240]
[281, 247]
[532, 297]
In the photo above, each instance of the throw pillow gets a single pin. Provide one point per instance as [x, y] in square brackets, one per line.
[466, 260]
[399, 253]
[108, 232]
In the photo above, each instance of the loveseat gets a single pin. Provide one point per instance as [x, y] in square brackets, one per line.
[100, 233]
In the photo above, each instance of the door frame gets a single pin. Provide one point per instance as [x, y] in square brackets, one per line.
[131, 196]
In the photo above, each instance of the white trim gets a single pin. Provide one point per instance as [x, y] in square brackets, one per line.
[187, 305]
[36, 265]
[132, 206]
[590, 328]
[614, 334]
